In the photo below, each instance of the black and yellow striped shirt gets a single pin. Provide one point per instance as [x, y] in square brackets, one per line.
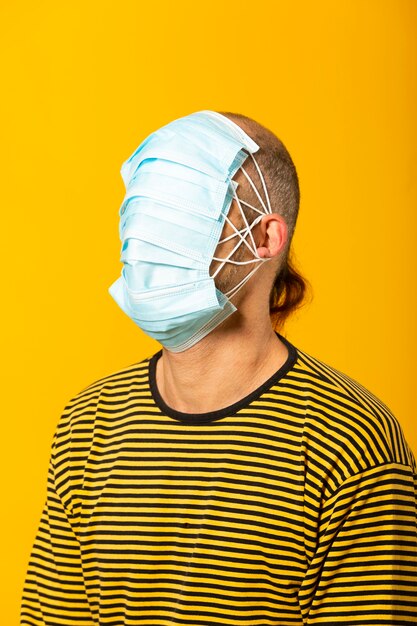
[295, 505]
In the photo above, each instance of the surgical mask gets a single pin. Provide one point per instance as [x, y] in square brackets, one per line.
[179, 190]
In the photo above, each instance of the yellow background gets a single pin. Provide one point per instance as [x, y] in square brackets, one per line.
[85, 82]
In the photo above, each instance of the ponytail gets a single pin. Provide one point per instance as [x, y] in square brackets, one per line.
[288, 293]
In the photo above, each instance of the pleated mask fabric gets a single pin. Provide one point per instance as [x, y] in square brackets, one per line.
[179, 190]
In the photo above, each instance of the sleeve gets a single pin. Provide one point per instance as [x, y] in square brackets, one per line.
[364, 568]
[54, 592]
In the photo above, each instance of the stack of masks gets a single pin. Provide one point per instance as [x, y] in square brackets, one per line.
[179, 190]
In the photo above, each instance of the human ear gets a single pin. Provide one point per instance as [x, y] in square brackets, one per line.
[272, 235]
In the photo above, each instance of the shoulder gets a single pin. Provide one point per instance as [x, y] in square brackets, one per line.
[77, 420]
[84, 422]
[347, 428]
[327, 378]
[117, 380]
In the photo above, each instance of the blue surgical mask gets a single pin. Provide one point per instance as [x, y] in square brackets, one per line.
[179, 190]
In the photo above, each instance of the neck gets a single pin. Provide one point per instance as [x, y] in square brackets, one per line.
[223, 367]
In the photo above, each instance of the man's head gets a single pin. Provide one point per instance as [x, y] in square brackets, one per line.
[274, 233]
[174, 220]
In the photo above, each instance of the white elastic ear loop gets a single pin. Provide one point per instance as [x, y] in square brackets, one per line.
[236, 288]
[266, 211]
[254, 188]
[257, 260]
[247, 230]
[263, 182]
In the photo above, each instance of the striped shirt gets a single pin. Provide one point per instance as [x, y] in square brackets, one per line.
[295, 505]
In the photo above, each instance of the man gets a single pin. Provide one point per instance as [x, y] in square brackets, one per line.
[230, 478]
